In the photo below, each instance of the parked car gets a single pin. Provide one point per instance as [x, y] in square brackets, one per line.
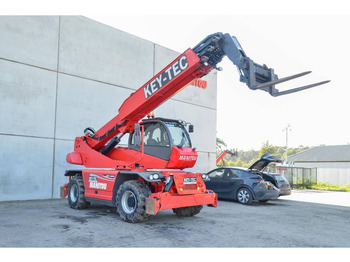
[279, 181]
[241, 184]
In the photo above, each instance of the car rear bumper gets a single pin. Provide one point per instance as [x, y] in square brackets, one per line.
[285, 192]
[267, 194]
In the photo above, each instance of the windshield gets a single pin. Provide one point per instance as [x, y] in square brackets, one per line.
[178, 134]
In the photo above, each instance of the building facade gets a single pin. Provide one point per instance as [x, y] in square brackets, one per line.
[332, 163]
[61, 74]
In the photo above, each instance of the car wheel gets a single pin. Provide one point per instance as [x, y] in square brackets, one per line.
[244, 196]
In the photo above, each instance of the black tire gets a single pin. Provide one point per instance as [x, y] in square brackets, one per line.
[187, 211]
[244, 196]
[131, 201]
[76, 192]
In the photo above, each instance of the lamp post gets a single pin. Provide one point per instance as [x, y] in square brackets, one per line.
[287, 129]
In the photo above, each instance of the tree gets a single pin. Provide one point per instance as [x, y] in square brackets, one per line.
[268, 148]
[292, 151]
[220, 145]
[247, 158]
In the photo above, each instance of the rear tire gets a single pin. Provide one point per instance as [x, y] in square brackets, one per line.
[187, 211]
[131, 201]
[244, 196]
[76, 192]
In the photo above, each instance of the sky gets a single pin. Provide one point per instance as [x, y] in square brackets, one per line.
[289, 44]
[288, 36]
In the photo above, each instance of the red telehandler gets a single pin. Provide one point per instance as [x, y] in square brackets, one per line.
[147, 175]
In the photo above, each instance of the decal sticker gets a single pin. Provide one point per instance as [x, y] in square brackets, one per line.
[98, 185]
[188, 158]
[200, 83]
[190, 180]
[168, 74]
[94, 184]
[93, 178]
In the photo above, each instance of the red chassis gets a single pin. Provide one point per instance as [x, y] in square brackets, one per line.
[101, 184]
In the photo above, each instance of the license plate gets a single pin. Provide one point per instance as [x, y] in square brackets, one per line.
[190, 180]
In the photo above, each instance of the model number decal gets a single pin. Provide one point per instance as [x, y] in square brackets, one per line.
[190, 180]
[172, 71]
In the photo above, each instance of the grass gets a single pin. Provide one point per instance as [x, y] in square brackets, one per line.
[330, 187]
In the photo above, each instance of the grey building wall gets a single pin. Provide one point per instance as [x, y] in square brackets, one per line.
[335, 173]
[59, 75]
[332, 163]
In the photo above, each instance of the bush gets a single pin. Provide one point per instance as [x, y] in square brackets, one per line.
[328, 186]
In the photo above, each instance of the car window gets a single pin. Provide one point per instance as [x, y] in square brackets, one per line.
[280, 178]
[218, 173]
[241, 173]
[230, 174]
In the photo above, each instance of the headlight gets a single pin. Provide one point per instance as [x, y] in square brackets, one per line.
[154, 177]
[205, 176]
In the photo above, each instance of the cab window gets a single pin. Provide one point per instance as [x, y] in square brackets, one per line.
[155, 134]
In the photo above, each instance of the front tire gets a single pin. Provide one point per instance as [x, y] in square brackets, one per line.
[244, 196]
[131, 201]
[76, 192]
[187, 211]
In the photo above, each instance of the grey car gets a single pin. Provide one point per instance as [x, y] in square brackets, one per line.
[243, 185]
[279, 181]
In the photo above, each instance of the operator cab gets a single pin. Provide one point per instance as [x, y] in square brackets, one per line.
[159, 137]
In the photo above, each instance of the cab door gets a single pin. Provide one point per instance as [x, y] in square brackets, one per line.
[155, 140]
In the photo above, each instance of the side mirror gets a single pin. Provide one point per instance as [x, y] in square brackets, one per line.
[190, 128]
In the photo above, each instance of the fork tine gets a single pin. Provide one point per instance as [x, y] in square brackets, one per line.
[281, 80]
[297, 89]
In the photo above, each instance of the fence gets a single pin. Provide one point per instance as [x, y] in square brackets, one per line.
[300, 176]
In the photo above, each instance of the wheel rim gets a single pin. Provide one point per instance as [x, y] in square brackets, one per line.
[243, 196]
[129, 202]
[74, 193]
